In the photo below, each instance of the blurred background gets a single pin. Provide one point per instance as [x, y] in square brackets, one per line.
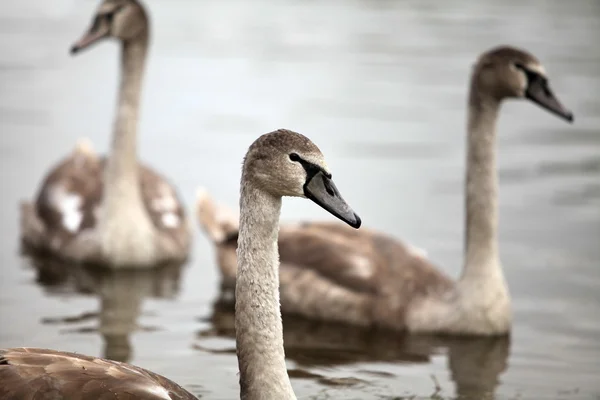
[380, 86]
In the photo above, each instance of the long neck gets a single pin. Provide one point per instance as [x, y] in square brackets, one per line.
[258, 326]
[481, 246]
[122, 177]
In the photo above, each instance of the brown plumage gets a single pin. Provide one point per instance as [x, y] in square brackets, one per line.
[352, 276]
[81, 175]
[333, 273]
[29, 374]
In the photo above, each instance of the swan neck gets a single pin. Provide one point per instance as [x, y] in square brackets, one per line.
[481, 208]
[258, 326]
[122, 176]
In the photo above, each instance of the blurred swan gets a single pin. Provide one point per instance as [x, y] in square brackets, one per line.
[110, 211]
[333, 273]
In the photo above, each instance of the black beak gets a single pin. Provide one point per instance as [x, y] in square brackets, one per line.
[539, 92]
[321, 189]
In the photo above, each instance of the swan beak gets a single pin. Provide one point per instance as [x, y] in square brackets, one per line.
[90, 37]
[321, 189]
[540, 93]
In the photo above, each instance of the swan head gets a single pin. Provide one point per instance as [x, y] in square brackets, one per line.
[286, 163]
[121, 19]
[507, 72]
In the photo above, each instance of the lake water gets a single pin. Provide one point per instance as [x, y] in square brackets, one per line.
[380, 86]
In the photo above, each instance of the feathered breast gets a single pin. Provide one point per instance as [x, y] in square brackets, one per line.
[71, 194]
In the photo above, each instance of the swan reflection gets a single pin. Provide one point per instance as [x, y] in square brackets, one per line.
[121, 295]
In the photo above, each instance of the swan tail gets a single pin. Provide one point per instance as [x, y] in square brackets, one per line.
[217, 221]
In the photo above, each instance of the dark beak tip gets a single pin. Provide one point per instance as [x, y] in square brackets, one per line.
[358, 222]
[74, 49]
[570, 117]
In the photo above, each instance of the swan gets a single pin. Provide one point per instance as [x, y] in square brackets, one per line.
[367, 278]
[110, 211]
[277, 164]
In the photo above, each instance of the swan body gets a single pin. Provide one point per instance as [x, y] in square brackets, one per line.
[111, 211]
[333, 273]
[29, 373]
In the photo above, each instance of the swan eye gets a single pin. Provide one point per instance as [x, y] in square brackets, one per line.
[110, 15]
[532, 76]
[294, 157]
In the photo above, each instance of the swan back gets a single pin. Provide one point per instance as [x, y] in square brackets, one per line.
[29, 373]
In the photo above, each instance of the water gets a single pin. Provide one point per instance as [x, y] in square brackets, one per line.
[380, 86]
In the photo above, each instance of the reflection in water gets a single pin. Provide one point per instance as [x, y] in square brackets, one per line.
[121, 295]
[475, 363]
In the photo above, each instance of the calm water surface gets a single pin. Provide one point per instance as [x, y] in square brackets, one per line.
[380, 86]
